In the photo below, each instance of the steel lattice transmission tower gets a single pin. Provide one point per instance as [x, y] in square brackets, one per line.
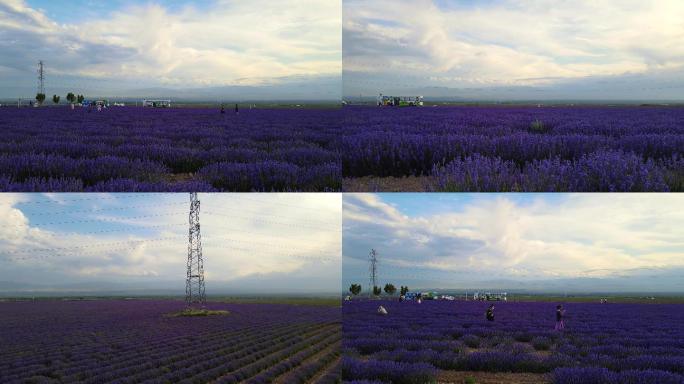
[194, 284]
[41, 78]
[373, 271]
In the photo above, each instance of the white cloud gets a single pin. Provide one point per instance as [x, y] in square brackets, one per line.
[511, 43]
[228, 43]
[595, 235]
[245, 237]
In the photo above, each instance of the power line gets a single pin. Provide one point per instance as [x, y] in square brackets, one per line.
[101, 209]
[314, 226]
[293, 255]
[267, 245]
[117, 196]
[270, 203]
[136, 228]
[113, 219]
[222, 237]
[314, 222]
[286, 254]
[195, 287]
[140, 206]
[275, 238]
[251, 232]
[96, 245]
[109, 247]
[43, 257]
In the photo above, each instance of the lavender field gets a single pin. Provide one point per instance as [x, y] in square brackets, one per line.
[517, 148]
[436, 340]
[179, 149]
[135, 341]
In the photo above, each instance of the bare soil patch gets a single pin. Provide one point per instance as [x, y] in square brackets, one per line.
[388, 184]
[282, 379]
[324, 371]
[179, 177]
[459, 377]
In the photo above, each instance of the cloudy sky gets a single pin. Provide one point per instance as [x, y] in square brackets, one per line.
[548, 242]
[252, 243]
[166, 48]
[515, 49]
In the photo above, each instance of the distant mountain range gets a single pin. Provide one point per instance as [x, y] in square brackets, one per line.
[280, 284]
[318, 89]
[660, 283]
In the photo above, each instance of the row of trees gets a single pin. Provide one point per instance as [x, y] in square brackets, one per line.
[389, 289]
[40, 98]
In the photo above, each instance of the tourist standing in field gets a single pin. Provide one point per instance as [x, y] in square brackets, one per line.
[236, 109]
[560, 325]
[490, 313]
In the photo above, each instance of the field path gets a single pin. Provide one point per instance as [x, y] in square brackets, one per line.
[105, 341]
[458, 377]
[388, 184]
[283, 379]
[326, 370]
[318, 335]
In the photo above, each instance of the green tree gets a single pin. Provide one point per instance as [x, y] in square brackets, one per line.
[80, 98]
[404, 290]
[40, 97]
[390, 289]
[355, 289]
[55, 99]
[71, 97]
[377, 291]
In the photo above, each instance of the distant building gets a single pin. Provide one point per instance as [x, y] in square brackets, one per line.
[488, 296]
[156, 103]
[95, 103]
[399, 101]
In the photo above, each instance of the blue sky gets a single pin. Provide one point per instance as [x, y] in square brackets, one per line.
[67, 12]
[231, 49]
[551, 242]
[514, 49]
[413, 204]
[253, 243]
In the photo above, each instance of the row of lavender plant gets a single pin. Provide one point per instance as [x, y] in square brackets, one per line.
[418, 339]
[541, 143]
[136, 149]
[596, 172]
[135, 342]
